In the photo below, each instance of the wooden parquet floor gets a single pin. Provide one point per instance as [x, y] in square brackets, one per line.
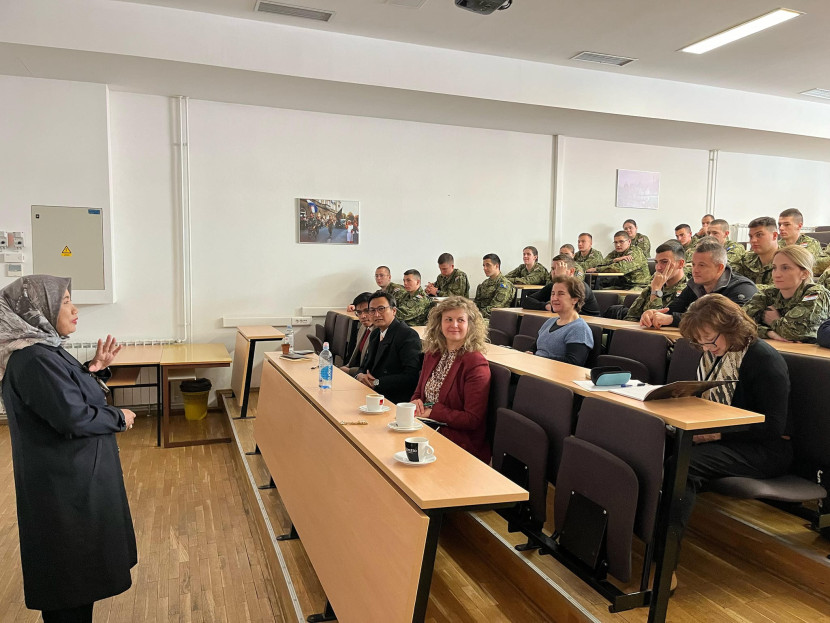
[200, 558]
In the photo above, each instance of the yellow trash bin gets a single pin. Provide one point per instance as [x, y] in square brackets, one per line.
[195, 395]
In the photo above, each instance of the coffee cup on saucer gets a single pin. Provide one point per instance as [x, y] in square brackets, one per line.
[405, 415]
[418, 449]
[374, 403]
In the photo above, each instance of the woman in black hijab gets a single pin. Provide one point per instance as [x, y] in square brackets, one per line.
[77, 543]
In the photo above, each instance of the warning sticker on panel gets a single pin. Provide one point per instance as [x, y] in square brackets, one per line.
[66, 252]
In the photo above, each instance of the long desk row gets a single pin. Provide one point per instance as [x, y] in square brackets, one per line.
[673, 333]
[368, 523]
[173, 362]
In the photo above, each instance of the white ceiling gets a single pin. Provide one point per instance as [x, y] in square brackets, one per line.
[783, 61]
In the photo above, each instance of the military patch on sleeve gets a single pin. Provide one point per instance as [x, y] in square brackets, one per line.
[805, 244]
[811, 297]
[501, 285]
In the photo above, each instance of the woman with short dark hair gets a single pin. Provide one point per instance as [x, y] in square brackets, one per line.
[568, 337]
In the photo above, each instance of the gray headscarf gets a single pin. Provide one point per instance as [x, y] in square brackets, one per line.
[29, 310]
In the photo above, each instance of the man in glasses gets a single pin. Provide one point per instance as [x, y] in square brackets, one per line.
[392, 362]
[361, 339]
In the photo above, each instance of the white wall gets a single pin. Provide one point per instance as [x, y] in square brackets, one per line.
[590, 181]
[749, 186]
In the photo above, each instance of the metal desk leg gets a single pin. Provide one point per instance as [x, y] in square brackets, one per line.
[427, 565]
[158, 405]
[669, 529]
[246, 391]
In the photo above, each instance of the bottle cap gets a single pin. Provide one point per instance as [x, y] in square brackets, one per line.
[325, 344]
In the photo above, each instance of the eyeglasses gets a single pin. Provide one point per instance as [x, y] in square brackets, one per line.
[378, 310]
[713, 343]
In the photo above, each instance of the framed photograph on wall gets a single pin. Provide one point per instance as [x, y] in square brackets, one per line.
[638, 189]
[328, 221]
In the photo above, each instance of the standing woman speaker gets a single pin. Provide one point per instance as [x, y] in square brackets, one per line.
[77, 543]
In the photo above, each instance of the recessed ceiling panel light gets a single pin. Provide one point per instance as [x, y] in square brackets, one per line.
[823, 93]
[742, 30]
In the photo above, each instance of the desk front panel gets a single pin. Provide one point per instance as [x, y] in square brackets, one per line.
[364, 538]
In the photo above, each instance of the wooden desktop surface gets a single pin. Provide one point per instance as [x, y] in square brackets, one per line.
[305, 374]
[685, 413]
[212, 355]
[343, 312]
[138, 356]
[527, 286]
[260, 332]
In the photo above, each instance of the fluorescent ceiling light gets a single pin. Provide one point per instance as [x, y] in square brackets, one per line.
[823, 93]
[742, 30]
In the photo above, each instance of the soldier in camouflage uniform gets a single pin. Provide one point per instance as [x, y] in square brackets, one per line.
[587, 257]
[668, 282]
[763, 240]
[413, 302]
[627, 260]
[794, 308]
[451, 281]
[383, 277]
[640, 241]
[496, 290]
[719, 229]
[531, 272]
[683, 233]
[566, 249]
[704, 228]
[790, 222]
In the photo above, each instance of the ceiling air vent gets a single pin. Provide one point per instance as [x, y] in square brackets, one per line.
[605, 59]
[823, 93]
[293, 11]
[410, 4]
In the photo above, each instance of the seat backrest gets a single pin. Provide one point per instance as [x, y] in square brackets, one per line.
[638, 370]
[652, 266]
[524, 343]
[822, 236]
[551, 407]
[606, 300]
[638, 439]
[320, 332]
[629, 299]
[331, 318]
[524, 440]
[316, 344]
[498, 337]
[342, 326]
[684, 361]
[821, 228]
[649, 348]
[611, 483]
[506, 322]
[596, 351]
[499, 396]
[809, 413]
[530, 325]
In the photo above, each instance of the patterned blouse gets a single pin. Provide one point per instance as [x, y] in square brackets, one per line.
[433, 385]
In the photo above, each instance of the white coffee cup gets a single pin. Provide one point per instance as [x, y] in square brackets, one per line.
[418, 449]
[405, 415]
[374, 403]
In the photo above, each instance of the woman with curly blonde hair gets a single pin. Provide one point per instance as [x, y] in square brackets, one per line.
[454, 386]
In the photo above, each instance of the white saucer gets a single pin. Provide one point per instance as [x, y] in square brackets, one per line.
[400, 457]
[383, 409]
[394, 426]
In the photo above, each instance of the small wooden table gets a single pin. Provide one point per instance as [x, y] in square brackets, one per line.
[369, 524]
[179, 357]
[522, 288]
[127, 366]
[246, 341]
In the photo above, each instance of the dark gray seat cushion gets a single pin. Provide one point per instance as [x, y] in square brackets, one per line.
[787, 488]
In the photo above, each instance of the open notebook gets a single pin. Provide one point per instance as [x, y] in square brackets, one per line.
[678, 389]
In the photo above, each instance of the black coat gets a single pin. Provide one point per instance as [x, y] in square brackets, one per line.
[77, 543]
[395, 361]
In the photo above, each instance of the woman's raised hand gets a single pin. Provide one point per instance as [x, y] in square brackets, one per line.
[104, 354]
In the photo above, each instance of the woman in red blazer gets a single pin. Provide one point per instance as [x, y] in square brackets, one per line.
[454, 385]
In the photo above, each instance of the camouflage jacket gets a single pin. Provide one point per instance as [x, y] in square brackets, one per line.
[394, 289]
[814, 247]
[643, 302]
[492, 293]
[824, 279]
[642, 242]
[454, 284]
[734, 253]
[594, 259]
[578, 273]
[749, 265]
[538, 275]
[801, 314]
[413, 307]
[689, 250]
[635, 271]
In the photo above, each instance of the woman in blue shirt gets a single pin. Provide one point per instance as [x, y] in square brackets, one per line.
[567, 338]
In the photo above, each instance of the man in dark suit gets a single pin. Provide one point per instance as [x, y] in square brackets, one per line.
[361, 337]
[393, 361]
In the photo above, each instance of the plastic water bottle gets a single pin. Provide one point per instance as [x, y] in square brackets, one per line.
[326, 365]
[289, 337]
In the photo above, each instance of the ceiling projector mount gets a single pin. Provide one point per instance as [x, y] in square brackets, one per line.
[483, 7]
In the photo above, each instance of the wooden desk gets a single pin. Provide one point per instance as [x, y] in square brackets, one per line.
[686, 416]
[177, 357]
[521, 288]
[127, 365]
[243, 360]
[592, 277]
[369, 524]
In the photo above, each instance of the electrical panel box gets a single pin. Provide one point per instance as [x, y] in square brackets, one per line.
[74, 242]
